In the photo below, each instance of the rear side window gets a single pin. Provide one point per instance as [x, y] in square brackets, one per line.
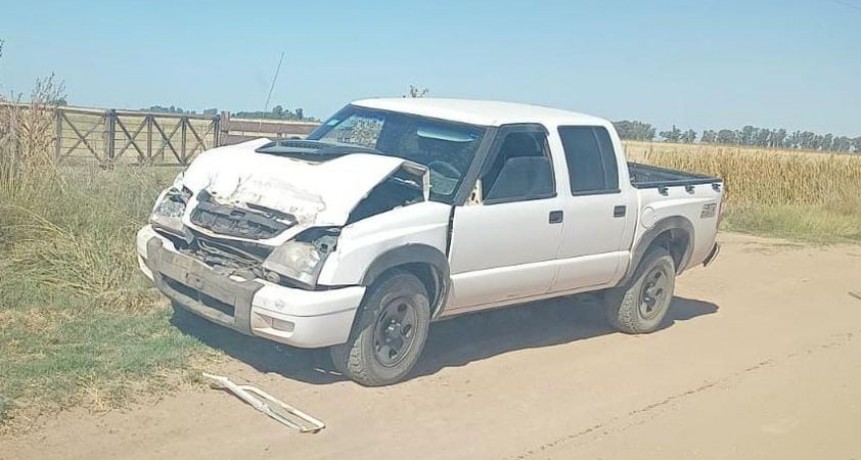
[592, 167]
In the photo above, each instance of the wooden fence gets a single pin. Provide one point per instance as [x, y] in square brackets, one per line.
[117, 136]
[110, 137]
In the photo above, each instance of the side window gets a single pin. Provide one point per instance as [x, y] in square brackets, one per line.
[521, 170]
[591, 160]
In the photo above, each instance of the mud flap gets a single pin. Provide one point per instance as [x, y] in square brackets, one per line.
[712, 255]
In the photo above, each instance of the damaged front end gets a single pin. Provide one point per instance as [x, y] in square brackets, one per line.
[296, 263]
[279, 220]
[226, 238]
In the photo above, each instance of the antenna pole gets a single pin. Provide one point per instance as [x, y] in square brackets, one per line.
[271, 88]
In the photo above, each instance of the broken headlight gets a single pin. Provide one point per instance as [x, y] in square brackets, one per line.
[302, 259]
[170, 207]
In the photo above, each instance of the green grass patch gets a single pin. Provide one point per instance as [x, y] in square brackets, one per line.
[808, 223]
[78, 322]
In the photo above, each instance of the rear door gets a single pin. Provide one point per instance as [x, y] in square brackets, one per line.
[598, 212]
[505, 238]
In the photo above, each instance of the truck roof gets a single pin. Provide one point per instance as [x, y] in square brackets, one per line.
[479, 112]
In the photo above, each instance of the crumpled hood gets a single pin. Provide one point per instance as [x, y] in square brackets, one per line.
[316, 194]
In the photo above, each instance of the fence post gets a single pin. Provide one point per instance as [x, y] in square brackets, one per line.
[184, 128]
[149, 138]
[216, 131]
[224, 124]
[110, 134]
[58, 137]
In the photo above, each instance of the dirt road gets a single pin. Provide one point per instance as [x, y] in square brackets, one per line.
[761, 359]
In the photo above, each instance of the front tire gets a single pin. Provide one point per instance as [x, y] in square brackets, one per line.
[390, 334]
[640, 306]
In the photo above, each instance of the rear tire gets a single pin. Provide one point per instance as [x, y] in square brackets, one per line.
[640, 306]
[390, 333]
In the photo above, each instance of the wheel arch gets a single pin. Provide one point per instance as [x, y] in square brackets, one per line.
[427, 263]
[676, 234]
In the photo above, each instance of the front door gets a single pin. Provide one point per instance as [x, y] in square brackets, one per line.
[505, 239]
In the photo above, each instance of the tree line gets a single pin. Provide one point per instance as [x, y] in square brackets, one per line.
[277, 113]
[746, 136]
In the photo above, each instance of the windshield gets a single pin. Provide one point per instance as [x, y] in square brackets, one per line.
[446, 148]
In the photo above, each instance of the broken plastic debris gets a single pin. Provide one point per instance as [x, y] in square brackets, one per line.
[269, 405]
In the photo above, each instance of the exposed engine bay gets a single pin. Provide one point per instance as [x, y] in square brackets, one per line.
[252, 221]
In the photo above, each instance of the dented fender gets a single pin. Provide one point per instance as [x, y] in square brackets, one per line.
[411, 234]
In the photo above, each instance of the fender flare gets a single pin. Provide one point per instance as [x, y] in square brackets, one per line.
[669, 223]
[415, 254]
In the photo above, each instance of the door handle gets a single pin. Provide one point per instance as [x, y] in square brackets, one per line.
[555, 217]
[619, 211]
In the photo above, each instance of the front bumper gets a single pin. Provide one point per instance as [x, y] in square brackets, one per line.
[296, 317]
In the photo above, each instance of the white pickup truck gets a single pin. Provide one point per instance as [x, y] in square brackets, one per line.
[398, 212]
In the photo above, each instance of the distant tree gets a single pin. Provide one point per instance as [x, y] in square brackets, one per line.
[709, 136]
[856, 145]
[806, 140]
[689, 137]
[727, 136]
[817, 142]
[761, 137]
[634, 130]
[624, 129]
[211, 112]
[794, 140]
[171, 109]
[827, 142]
[673, 135]
[746, 135]
[777, 138]
[277, 113]
[842, 144]
[417, 91]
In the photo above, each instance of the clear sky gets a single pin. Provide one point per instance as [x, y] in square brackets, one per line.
[697, 63]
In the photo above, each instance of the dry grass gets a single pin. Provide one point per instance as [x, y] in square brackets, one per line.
[25, 141]
[801, 195]
[78, 323]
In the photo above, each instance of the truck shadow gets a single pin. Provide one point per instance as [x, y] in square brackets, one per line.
[451, 343]
[460, 341]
